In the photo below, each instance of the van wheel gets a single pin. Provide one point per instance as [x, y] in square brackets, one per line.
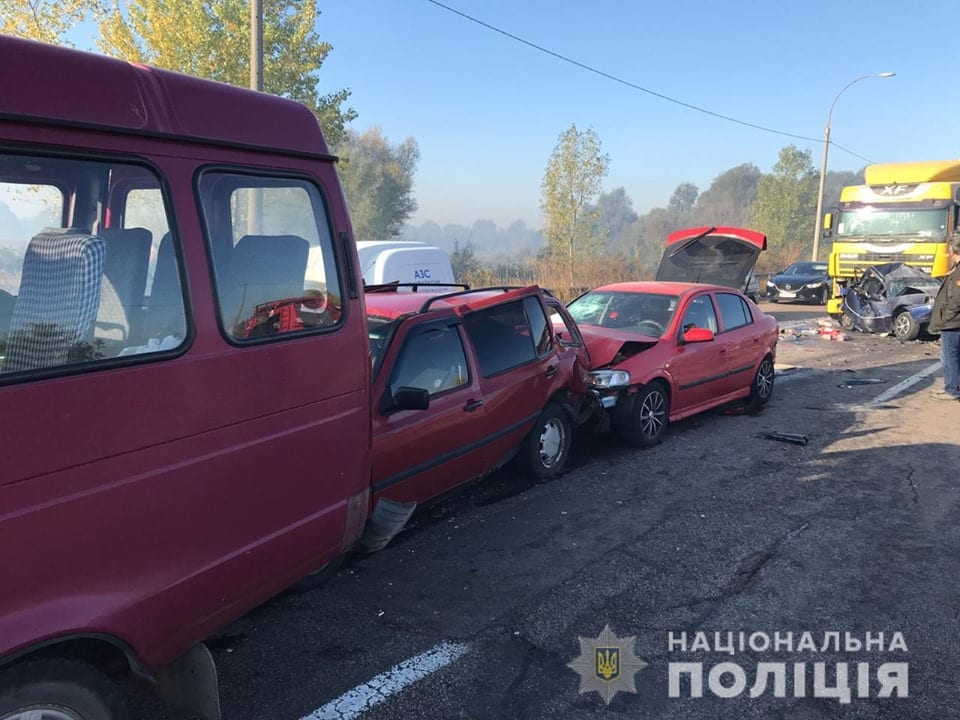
[905, 327]
[761, 389]
[59, 690]
[645, 424]
[546, 449]
[846, 322]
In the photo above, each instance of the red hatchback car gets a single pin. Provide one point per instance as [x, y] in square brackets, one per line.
[463, 383]
[687, 342]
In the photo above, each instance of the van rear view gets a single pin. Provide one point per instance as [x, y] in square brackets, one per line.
[184, 374]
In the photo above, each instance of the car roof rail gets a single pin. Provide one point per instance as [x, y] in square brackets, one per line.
[447, 296]
[392, 286]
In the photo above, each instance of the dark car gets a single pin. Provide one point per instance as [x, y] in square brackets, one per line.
[463, 383]
[805, 281]
[891, 298]
[687, 342]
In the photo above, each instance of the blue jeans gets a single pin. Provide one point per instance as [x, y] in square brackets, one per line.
[950, 360]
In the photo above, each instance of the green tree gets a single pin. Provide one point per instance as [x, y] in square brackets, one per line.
[463, 260]
[570, 185]
[684, 197]
[377, 180]
[211, 39]
[729, 199]
[45, 20]
[785, 205]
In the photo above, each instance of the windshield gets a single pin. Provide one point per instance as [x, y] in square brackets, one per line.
[645, 313]
[378, 329]
[873, 221]
[806, 268]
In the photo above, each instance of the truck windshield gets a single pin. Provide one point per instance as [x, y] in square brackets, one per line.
[873, 221]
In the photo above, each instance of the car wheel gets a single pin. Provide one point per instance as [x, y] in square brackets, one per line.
[825, 296]
[846, 322]
[648, 418]
[546, 449]
[905, 327]
[59, 690]
[774, 300]
[761, 389]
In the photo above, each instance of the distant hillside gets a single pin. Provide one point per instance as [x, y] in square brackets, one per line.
[489, 242]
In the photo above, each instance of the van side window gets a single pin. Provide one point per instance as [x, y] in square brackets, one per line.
[273, 257]
[73, 288]
[501, 337]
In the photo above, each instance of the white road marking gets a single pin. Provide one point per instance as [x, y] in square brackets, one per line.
[903, 385]
[354, 703]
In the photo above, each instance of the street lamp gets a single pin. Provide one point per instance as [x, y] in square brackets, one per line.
[823, 165]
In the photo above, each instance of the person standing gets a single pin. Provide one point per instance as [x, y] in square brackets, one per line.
[945, 319]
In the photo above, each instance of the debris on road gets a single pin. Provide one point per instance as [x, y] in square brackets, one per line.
[793, 438]
[850, 382]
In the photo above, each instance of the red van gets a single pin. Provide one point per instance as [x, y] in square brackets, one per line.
[184, 373]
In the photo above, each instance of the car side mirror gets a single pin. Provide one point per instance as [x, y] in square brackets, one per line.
[409, 398]
[698, 335]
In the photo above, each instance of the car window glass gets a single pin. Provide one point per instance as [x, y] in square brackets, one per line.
[733, 311]
[539, 330]
[699, 313]
[568, 335]
[431, 359]
[73, 289]
[647, 313]
[501, 337]
[273, 257]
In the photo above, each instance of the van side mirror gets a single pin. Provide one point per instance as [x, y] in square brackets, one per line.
[405, 398]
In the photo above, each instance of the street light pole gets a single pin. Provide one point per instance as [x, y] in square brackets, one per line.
[823, 165]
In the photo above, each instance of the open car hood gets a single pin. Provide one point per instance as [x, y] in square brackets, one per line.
[611, 346]
[713, 255]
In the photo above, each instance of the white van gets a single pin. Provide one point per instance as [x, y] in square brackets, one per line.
[403, 261]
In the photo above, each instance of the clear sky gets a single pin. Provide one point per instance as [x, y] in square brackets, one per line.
[486, 110]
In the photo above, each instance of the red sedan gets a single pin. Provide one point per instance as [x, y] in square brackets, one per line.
[663, 350]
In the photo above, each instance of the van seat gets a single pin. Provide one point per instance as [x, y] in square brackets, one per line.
[55, 310]
[262, 268]
[124, 283]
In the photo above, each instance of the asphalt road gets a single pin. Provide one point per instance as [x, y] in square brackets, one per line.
[715, 530]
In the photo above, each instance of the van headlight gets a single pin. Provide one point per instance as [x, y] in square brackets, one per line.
[609, 379]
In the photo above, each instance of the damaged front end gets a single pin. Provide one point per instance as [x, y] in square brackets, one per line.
[608, 384]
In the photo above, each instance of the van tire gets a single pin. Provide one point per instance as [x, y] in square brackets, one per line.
[547, 446]
[68, 689]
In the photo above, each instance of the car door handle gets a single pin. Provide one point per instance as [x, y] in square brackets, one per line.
[472, 405]
[552, 370]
